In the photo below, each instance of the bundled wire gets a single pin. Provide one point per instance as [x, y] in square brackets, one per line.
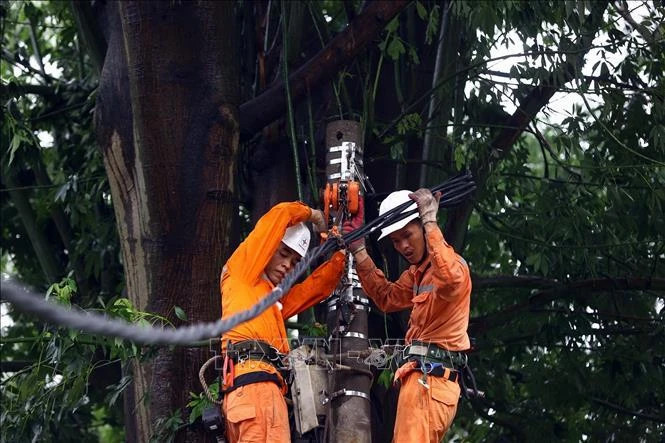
[454, 191]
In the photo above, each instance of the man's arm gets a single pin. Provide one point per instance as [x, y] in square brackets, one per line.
[449, 270]
[319, 285]
[251, 257]
[388, 296]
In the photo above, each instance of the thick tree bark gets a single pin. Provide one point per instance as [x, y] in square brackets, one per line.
[166, 121]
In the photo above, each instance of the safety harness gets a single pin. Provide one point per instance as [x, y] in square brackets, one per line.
[256, 350]
[432, 353]
[436, 361]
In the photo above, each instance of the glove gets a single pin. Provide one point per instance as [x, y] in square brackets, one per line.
[354, 223]
[428, 204]
[318, 221]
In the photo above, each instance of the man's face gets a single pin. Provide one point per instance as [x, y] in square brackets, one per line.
[410, 242]
[282, 261]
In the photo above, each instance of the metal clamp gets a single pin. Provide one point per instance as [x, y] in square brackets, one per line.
[353, 298]
[332, 308]
[345, 392]
[354, 335]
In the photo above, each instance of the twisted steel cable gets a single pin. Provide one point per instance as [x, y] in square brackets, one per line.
[455, 190]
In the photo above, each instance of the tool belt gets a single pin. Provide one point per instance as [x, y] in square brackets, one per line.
[254, 350]
[428, 352]
[438, 370]
[259, 351]
[439, 362]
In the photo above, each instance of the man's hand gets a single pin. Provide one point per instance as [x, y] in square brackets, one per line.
[354, 223]
[428, 204]
[318, 221]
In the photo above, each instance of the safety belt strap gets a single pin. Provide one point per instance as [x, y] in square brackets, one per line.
[432, 352]
[254, 377]
[255, 350]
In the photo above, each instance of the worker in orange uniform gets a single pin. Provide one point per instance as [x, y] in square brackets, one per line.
[437, 286]
[254, 405]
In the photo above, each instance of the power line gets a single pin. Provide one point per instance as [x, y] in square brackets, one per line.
[454, 190]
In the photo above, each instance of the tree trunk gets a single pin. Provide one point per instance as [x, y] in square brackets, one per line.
[166, 120]
[45, 253]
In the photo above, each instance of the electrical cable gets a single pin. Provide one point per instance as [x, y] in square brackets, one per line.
[454, 191]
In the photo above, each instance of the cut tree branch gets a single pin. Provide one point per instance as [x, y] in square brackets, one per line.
[342, 49]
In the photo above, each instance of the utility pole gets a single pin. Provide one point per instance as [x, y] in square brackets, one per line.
[348, 400]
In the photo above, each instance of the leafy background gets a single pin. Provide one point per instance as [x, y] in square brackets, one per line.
[564, 236]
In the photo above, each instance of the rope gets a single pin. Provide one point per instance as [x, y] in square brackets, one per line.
[202, 379]
[454, 191]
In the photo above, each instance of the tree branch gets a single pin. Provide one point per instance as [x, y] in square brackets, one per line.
[626, 411]
[512, 281]
[38, 239]
[16, 60]
[483, 323]
[90, 32]
[13, 89]
[260, 111]
[646, 34]
[529, 106]
[587, 78]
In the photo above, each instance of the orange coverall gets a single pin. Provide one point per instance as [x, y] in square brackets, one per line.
[257, 411]
[439, 291]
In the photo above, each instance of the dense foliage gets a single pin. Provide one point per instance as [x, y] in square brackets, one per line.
[556, 107]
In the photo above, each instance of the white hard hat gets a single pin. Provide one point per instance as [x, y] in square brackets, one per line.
[297, 238]
[393, 200]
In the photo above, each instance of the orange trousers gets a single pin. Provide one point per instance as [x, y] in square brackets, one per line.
[424, 415]
[256, 413]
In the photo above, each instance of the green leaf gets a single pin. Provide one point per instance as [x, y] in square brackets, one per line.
[180, 313]
[385, 378]
[460, 158]
[395, 48]
[397, 151]
[14, 145]
[422, 12]
[393, 25]
[432, 24]
[413, 55]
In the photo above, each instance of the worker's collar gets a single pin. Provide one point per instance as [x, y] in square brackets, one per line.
[420, 268]
[265, 278]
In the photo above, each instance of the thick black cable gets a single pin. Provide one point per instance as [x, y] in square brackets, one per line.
[451, 189]
[454, 192]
